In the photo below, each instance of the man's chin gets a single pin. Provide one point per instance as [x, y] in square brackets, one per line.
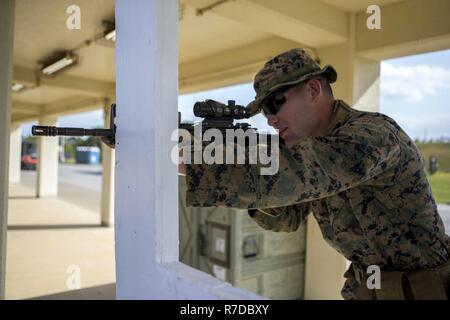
[291, 141]
[288, 142]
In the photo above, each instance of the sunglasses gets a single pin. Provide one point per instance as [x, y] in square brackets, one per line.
[273, 103]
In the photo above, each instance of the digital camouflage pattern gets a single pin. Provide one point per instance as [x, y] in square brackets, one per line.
[286, 69]
[364, 182]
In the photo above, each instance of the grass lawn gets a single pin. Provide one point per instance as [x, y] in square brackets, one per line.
[440, 184]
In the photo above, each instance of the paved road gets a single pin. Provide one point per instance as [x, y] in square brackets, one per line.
[82, 175]
[444, 211]
[78, 184]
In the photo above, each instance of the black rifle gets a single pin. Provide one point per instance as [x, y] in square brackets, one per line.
[215, 115]
[110, 133]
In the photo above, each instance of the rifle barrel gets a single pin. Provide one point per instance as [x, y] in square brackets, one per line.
[61, 131]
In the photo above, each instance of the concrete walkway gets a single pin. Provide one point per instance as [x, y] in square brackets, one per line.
[54, 245]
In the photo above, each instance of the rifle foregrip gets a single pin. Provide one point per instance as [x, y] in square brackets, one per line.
[43, 131]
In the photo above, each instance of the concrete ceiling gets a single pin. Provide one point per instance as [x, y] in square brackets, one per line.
[204, 35]
[356, 5]
[40, 31]
[224, 45]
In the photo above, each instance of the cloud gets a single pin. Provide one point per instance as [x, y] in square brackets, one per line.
[413, 83]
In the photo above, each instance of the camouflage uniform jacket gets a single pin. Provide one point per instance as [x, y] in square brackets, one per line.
[364, 182]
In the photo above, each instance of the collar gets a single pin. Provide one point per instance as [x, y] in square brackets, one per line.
[340, 113]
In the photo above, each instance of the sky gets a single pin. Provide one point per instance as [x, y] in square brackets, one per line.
[415, 91]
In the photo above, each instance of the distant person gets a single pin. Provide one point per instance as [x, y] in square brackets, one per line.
[434, 165]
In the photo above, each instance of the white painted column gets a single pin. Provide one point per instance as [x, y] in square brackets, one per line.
[146, 201]
[6, 63]
[146, 185]
[358, 85]
[47, 168]
[358, 80]
[366, 84]
[108, 159]
[15, 149]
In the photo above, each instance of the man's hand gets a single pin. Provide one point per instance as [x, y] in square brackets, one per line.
[181, 166]
[106, 141]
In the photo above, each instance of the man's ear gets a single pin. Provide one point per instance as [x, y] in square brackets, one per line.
[314, 89]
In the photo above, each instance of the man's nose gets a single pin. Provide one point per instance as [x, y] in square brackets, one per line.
[272, 120]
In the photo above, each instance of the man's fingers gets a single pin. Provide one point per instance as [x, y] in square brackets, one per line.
[106, 141]
[181, 166]
[182, 169]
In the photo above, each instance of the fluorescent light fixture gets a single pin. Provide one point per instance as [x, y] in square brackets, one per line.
[17, 87]
[110, 35]
[68, 60]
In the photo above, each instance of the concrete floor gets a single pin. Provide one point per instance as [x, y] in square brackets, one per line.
[51, 242]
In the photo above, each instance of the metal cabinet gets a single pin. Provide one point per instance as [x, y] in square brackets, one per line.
[229, 245]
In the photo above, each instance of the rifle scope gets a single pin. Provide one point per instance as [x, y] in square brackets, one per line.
[214, 109]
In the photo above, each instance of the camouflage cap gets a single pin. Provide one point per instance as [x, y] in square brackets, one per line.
[286, 69]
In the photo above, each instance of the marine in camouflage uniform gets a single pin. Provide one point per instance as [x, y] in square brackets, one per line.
[364, 181]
